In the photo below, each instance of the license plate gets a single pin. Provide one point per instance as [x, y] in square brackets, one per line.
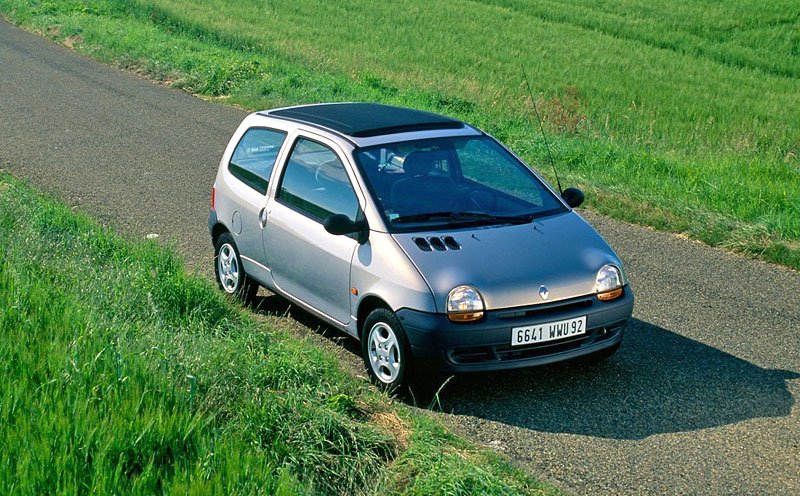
[549, 331]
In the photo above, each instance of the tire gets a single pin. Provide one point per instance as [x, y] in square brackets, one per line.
[385, 350]
[229, 272]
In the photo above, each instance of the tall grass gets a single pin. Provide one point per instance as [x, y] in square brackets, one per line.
[120, 373]
[682, 115]
[738, 33]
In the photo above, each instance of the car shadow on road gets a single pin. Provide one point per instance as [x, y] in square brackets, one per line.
[658, 382]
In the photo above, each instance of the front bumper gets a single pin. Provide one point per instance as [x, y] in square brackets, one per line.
[486, 344]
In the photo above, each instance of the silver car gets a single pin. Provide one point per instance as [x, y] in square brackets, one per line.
[419, 235]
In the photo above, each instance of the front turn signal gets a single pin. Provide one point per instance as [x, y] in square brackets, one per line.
[464, 317]
[610, 295]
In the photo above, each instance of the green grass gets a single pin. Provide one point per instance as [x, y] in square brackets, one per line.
[121, 374]
[684, 115]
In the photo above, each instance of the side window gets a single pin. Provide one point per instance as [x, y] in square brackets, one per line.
[315, 182]
[254, 157]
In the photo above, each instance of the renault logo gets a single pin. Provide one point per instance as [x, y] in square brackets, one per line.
[544, 292]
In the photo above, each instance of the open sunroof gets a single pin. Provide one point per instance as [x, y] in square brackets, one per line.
[361, 120]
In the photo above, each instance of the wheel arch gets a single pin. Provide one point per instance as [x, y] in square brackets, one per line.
[365, 307]
[218, 230]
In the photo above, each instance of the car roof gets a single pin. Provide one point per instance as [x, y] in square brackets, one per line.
[365, 120]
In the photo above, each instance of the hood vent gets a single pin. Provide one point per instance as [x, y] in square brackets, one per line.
[437, 244]
[451, 243]
[422, 244]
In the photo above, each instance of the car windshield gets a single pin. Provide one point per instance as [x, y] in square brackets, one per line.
[453, 182]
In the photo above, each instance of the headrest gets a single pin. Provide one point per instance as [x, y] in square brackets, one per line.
[419, 163]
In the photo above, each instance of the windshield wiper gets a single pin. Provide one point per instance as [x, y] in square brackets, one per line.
[510, 219]
[466, 217]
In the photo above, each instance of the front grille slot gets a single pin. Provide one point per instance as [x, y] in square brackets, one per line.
[479, 354]
[517, 353]
[545, 309]
[482, 354]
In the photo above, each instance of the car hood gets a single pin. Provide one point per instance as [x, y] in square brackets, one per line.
[508, 264]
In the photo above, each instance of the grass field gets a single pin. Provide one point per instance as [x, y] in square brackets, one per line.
[120, 373]
[680, 115]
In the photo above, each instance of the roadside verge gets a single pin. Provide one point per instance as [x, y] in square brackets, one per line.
[122, 373]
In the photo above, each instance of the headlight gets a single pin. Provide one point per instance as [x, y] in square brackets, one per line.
[464, 304]
[609, 283]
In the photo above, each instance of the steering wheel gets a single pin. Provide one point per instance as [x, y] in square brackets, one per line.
[473, 199]
[319, 176]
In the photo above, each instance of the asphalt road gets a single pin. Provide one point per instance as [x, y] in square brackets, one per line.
[701, 399]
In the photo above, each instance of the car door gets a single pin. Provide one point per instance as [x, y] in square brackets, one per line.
[251, 165]
[307, 262]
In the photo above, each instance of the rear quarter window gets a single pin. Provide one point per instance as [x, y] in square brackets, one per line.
[254, 157]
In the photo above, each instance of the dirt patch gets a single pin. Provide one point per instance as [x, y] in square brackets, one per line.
[390, 422]
[565, 113]
[73, 41]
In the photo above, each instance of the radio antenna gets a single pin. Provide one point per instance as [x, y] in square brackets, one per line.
[541, 128]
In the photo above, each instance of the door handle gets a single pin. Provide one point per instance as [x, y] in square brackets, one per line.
[262, 217]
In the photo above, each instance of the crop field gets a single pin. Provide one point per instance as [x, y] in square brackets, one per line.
[683, 115]
[705, 78]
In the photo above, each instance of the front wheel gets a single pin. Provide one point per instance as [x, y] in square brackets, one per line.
[385, 350]
[229, 272]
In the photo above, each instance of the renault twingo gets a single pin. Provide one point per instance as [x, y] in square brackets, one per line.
[419, 235]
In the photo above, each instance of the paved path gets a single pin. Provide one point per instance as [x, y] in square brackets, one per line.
[700, 399]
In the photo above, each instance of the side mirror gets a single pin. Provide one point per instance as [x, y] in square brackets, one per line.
[573, 196]
[340, 224]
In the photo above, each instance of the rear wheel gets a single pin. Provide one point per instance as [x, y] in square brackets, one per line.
[231, 276]
[385, 350]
